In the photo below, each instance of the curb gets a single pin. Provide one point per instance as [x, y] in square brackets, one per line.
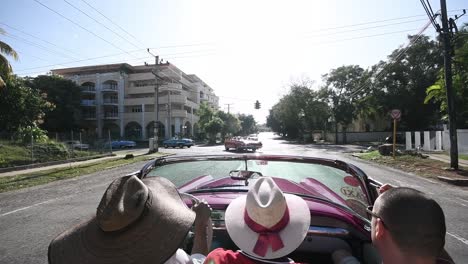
[458, 182]
[51, 163]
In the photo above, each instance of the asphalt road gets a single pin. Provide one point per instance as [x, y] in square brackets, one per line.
[31, 218]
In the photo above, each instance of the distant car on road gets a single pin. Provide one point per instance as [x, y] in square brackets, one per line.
[253, 137]
[178, 142]
[119, 144]
[239, 143]
[75, 144]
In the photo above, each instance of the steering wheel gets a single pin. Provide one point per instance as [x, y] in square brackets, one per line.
[192, 198]
[191, 234]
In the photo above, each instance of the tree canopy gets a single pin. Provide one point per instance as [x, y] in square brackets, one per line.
[5, 67]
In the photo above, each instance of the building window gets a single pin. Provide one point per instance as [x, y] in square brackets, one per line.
[136, 109]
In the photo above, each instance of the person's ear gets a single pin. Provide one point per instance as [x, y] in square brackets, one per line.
[380, 230]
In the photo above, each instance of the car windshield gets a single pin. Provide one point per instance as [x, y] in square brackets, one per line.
[327, 182]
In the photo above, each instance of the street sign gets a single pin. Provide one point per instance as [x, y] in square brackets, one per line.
[395, 113]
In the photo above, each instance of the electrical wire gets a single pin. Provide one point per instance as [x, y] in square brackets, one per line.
[86, 14]
[95, 9]
[38, 38]
[75, 23]
[380, 73]
[31, 43]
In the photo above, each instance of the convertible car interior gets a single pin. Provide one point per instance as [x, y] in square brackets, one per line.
[337, 194]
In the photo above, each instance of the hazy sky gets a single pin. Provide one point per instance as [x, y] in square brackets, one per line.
[245, 50]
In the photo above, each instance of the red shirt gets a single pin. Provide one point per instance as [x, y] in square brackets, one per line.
[221, 256]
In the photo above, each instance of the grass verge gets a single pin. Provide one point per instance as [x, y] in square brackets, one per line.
[11, 183]
[425, 167]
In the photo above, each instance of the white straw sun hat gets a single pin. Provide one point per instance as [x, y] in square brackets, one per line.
[267, 223]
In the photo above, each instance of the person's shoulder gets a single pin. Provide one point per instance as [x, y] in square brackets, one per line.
[221, 255]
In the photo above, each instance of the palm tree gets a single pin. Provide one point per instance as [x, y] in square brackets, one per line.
[5, 67]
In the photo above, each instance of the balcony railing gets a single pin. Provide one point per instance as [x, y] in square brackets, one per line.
[88, 89]
[89, 117]
[88, 102]
[110, 87]
[111, 115]
[110, 101]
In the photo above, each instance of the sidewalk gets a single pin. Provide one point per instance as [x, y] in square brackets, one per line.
[446, 158]
[119, 155]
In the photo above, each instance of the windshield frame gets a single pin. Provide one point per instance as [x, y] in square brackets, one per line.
[337, 164]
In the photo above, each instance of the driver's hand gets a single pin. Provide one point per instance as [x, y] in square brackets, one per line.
[203, 212]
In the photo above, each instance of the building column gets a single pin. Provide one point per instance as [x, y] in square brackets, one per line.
[99, 112]
[166, 125]
[121, 87]
[177, 125]
[143, 130]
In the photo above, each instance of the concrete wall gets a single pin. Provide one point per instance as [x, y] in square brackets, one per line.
[462, 140]
[359, 137]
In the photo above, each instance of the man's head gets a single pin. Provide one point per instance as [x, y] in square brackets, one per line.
[409, 221]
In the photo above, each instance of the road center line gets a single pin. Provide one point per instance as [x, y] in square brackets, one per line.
[48, 201]
[459, 238]
[27, 207]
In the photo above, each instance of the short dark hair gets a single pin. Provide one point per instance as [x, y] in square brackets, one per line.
[415, 221]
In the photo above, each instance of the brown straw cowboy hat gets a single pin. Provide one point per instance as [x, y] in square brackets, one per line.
[266, 223]
[137, 221]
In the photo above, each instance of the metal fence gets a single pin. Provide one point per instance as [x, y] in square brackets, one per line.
[24, 150]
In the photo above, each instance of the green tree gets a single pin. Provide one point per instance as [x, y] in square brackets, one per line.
[298, 112]
[213, 127]
[248, 125]
[341, 92]
[436, 93]
[21, 106]
[5, 67]
[231, 124]
[206, 114]
[65, 95]
[402, 82]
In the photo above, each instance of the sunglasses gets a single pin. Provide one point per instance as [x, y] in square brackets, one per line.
[370, 211]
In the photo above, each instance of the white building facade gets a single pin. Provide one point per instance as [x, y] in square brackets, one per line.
[120, 99]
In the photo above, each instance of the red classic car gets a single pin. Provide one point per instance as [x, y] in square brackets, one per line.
[240, 143]
[336, 192]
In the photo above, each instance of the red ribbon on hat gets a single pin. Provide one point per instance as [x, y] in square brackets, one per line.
[267, 236]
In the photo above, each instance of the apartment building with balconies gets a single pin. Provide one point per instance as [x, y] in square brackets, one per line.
[120, 100]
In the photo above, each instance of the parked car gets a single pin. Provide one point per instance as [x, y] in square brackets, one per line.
[119, 144]
[337, 194]
[239, 143]
[75, 144]
[178, 142]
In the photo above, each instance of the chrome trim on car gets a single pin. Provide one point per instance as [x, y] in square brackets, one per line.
[327, 231]
[313, 231]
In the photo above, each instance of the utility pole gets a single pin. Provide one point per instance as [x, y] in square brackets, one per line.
[448, 86]
[229, 107]
[169, 117]
[156, 101]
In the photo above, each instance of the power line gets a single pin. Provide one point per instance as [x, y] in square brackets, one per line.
[105, 56]
[373, 22]
[430, 14]
[37, 45]
[46, 41]
[111, 21]
[71, 21]
[380, 73]
[86, 14]
[373, 27]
